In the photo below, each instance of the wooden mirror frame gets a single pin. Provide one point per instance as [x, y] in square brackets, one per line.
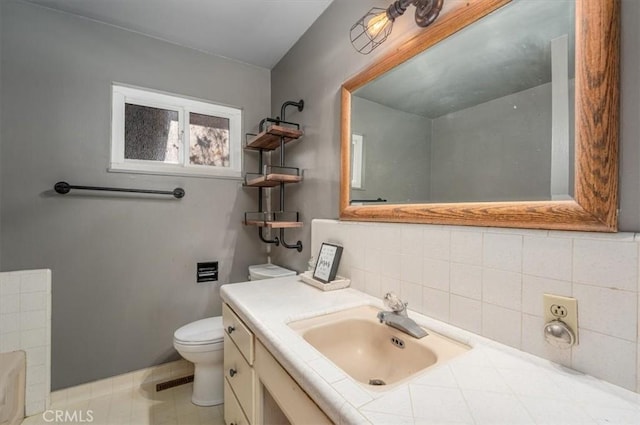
[596, 131]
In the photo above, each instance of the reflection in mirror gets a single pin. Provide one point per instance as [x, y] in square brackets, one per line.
[485, 115]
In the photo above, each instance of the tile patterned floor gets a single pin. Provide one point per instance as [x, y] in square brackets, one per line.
[142, 406]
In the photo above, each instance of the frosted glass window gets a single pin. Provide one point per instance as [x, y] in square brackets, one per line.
[208, 140]
[151, 134]
[161, 133]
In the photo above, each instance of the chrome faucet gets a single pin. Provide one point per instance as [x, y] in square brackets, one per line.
[398, 318]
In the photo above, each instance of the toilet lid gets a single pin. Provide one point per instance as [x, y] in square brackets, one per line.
[203, 331]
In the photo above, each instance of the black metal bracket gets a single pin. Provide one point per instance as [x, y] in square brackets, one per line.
[298, 245]
[64, 188]
[274, 241]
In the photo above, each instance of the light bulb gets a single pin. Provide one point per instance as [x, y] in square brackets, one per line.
[377, 24]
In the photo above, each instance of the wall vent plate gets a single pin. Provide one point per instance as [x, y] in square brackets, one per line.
[557, 307]
[207, 272]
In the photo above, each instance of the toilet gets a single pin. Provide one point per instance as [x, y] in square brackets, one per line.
[201, 343]
[268, 271]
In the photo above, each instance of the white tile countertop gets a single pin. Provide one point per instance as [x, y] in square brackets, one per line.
[491, 384]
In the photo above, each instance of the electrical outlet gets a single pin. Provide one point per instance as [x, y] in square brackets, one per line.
[557, 307]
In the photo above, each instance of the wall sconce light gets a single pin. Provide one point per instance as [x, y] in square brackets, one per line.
[375, 26]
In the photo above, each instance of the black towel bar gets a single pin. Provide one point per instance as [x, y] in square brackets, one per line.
[64, 187]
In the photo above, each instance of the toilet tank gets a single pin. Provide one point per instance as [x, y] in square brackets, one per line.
[268, 271]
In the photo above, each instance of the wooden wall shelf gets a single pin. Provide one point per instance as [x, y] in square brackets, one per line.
[269, 139]
[275, 224]
[271, 180]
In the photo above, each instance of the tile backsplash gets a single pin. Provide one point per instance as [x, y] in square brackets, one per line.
[25, 324]
[490, 281]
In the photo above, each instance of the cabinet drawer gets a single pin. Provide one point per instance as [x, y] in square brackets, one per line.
[240, 376]
[233, 414]
[238, 332]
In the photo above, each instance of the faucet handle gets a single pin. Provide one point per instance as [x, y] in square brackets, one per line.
[394, 303]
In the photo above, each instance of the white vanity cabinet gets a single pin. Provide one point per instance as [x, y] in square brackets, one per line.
[257, 389]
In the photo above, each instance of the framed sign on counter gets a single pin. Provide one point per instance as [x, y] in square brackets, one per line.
[328, 262]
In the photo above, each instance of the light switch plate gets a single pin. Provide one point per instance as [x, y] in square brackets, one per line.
[563, 308]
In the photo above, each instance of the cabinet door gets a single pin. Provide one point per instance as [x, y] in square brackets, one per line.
[292, 400]
[240, 377]
[233, 414]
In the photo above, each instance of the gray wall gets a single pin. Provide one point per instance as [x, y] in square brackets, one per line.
[396, 152]
[496, 151]
[123, 267]
[1, 30]
[323, 59]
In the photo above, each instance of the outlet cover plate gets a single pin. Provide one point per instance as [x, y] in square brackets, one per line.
[563, 308]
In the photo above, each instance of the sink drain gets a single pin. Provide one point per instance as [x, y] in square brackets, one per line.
[377, 382]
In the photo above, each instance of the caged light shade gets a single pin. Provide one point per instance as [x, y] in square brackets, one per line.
[371, 30]
[375, 26]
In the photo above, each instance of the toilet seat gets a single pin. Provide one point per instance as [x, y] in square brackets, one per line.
[201, 332]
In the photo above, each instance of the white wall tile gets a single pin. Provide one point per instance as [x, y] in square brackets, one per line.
[25, 297]
[606, 357]
[466, 313]
[391, 264]
[608, 311]
[33, 301]
[33, 338]
[411, 268]
[388, 284]
[373, 260]
[37, 355]
[387, 238]
[502, 288]
[357, 279]
[547, 257]
[412, 293]
[466, 247]
[33, 319]
[9, 341]
[502, 324]
[411, 242]
[32, 282]
[372, 284]
[9, 283]
[436, 274]
[502, 251]
[466, 280]
[436, 303]
[437, 242]
[9, 304]
[606, 263]
[358, 244]
[533, 288]
[9, 323]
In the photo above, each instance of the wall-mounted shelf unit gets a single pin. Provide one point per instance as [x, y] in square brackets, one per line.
[277, 133]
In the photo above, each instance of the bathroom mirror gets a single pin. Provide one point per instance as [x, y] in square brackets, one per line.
[464, 124]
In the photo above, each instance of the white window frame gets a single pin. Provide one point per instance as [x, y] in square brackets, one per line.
[357, 161]
[122, 94]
